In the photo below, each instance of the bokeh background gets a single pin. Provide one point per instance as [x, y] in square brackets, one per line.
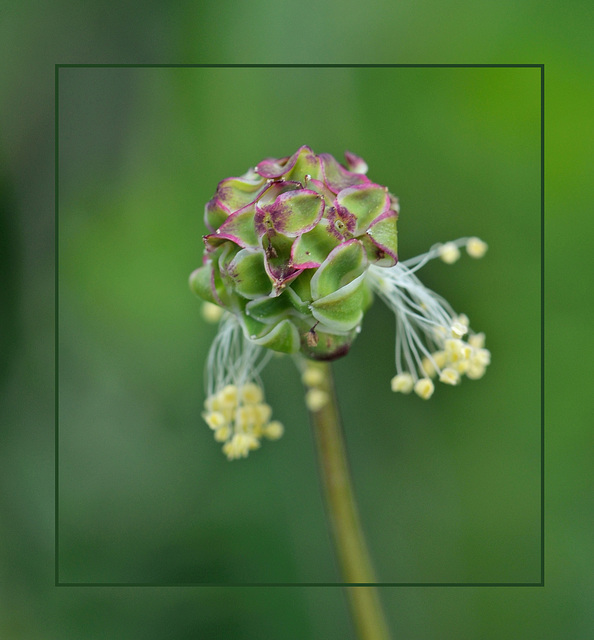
[449, 490]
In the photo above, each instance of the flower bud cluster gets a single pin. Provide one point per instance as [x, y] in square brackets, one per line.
[289, 246]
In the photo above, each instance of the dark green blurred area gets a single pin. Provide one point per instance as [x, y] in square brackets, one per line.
[449, 490]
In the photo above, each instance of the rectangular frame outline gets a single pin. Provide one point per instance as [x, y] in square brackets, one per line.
[57, 582]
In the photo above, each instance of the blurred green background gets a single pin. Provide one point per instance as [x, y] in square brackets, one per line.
[145, 494]
[449, 490]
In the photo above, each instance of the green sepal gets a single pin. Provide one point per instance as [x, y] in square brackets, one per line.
[248, 275]
[235, 193]
[215, 213]
[300, 289]
[252, 327]
[319, 187]
[300, 306]
[223, 288]
[367, 297]
[313, 247]
[366, 202]
[341, 310]
[277, 252]
[269, 310]
[284, 337]
[200, 282]
[239, 227]
[296, 212]
[344, 263]
[383, 234]
[307, 163]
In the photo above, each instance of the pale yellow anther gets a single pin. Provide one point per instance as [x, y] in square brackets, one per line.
[459, 329]
[222, 433]
[428, 368]
[424, 388]
[403, 383]
[461, 366]
[240, 445]
[312, 377]
[252, 393]
[211, 312]
[315, 399]
[244, 417]
[476, 248]
[214, 419]
[463, 318]
[481, 357]
[212, 403]
[440, 358]
[262, 413]
[449, 252]
[453, 349]
[274, 430]
[227, 396]
[449, 376]
[229, 413]
[431, 366]
[477, 340]
[465, 351]
[256, 430]
[475, 371]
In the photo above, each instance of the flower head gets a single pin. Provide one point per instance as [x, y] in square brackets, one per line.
[290, 243]
[297, 247]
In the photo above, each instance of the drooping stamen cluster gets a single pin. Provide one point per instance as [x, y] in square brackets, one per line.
[235, 408]
[432, 341]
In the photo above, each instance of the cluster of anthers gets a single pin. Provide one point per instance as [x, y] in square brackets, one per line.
[432, 341]
[235, 408]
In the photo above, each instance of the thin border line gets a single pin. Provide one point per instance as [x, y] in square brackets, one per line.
[295, 66]
[542, 327]
[59, 66]
[298, 584]
[56, 333]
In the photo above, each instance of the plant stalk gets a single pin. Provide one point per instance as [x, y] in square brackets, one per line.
[351, 548]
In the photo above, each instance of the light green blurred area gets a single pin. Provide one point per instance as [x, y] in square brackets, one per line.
[449, 490]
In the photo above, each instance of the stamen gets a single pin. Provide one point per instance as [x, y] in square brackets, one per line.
[316, 399]
[274, 430]
[235, 406]
[424, 388]
[430, 335]
[312, 377]
[449, 253]
[212, 313]
[459, 329]
[449, 376]
[403, 383]
[476, 248]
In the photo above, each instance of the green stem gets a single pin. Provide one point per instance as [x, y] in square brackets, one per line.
[351, 549]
